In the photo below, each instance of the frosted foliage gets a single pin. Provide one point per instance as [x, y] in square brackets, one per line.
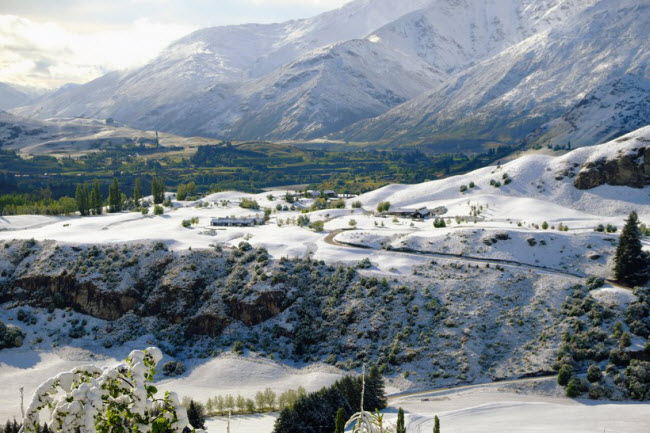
[117, 399]
[363, 423]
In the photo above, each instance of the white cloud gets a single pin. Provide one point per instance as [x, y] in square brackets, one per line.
[49, 55]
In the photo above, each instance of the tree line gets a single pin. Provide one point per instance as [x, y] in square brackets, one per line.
[89, 200]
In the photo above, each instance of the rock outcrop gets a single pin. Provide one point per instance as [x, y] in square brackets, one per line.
[630, 169]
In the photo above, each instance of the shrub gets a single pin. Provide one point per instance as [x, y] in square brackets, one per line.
[317, 226]
[357, 204]
[565, 375]
[158, 210]
[248, 203]
[10, 336]
[463, 188]
[594, 374]
[384, 206]
[575, 388]
[238, 347]
[173, 368]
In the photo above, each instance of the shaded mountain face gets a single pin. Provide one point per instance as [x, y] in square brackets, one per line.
[439, 72]
[512, 94]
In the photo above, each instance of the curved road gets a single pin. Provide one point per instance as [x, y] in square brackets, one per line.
[331, 240]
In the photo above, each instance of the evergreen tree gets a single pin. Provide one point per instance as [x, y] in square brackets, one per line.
[631, 261]
[114, 197]
[339, 422]
[81, 197]
[400, 428]
[436, 424]
[196, 415]
[158, 190]
[137, 192]
[96, 198]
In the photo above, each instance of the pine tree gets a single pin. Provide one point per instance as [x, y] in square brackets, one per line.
[400, 428]
[340, 421]
[631, 261]
[137, 192]
[96, 199]
[436, 424]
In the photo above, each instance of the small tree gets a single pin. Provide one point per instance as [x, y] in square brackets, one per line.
[401, 427]
[82, 199]
[631, 262]
[96, 198]
[339, 421]
[137, 192]
[436, 424]
[196, 415]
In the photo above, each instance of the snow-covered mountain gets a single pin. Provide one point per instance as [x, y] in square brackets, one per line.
[529, 84]
[307, 78]
[11, 97]
[611, 110]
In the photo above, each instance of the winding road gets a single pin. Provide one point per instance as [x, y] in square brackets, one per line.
[331, 240]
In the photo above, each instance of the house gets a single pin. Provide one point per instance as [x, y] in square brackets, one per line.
[236, 222]
[330, 194]
[311, 193]
[421, 213]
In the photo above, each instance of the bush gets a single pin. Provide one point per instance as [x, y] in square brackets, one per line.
[575, 388]
[565, 375]
[594, 374]
[637, 380]
[463, 188]
[173, 368]
[357, 204]
[10, 336]
[158, 210]
[317, 226]
[238, 347]
[384, 206]
[248, 203]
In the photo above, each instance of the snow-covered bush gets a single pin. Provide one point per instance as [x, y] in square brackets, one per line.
[10, 336]
[117, 399]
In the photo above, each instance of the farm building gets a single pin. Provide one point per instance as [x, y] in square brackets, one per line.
[236, 222]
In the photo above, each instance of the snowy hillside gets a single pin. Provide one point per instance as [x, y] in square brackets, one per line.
[523, 87]
[539, 185]
[307, 78]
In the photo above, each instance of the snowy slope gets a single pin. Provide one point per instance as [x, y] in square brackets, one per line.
[540, 186]
[535, 81]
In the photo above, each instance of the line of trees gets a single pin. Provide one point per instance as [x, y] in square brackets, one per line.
[264, 401]
[89, 201]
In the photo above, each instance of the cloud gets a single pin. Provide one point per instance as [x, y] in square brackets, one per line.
[49, 55]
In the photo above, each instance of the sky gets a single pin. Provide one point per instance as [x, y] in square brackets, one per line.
[49, 43]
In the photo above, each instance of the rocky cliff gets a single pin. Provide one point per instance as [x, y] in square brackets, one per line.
[626, 169]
